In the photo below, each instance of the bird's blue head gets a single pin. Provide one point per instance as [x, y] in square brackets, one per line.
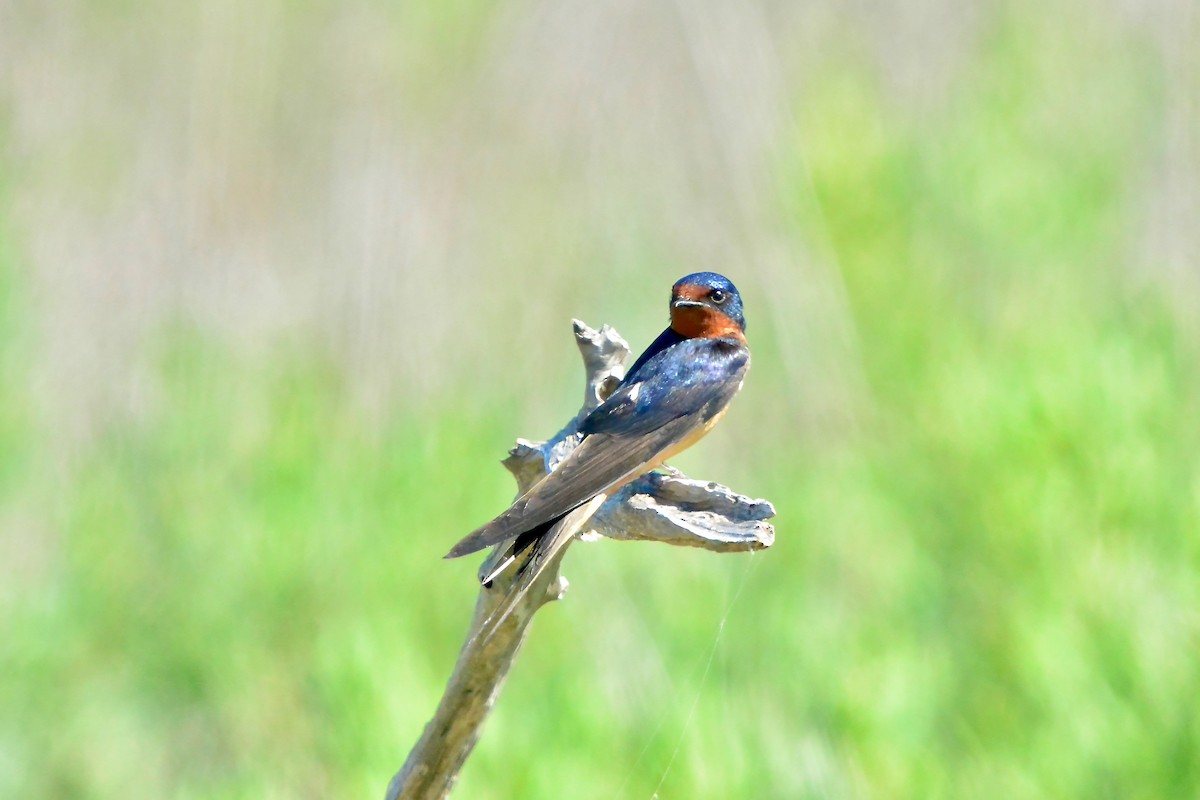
[706, 305]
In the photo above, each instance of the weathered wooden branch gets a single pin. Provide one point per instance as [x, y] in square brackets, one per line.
[657, 507]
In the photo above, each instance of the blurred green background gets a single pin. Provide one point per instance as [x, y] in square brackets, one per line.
[281, 282]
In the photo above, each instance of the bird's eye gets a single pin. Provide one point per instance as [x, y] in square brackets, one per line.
[718, 296]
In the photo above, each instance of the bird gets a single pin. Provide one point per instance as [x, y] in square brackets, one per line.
[675, 393]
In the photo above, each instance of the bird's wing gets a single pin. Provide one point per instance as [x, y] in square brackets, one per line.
[600, 461]
[630, 433]
[696, 376]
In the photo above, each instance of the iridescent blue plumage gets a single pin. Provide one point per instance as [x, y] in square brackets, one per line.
[694, 376]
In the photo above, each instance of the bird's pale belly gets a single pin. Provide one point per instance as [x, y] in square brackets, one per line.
[689, 440]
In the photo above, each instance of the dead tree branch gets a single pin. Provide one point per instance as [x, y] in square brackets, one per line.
[656, 507]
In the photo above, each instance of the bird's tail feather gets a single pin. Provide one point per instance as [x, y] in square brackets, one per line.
[546, 549]
[515, 548]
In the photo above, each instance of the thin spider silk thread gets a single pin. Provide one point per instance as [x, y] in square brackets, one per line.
[687, 723]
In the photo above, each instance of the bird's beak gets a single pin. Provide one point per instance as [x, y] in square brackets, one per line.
[683, 302]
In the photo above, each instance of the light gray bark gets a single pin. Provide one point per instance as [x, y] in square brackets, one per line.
[656, 507]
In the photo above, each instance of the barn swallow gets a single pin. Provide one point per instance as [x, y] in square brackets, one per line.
[674, 394]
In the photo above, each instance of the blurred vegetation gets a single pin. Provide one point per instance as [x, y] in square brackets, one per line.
[986, 581]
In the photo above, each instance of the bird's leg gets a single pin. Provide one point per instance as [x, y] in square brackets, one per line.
[674, 473]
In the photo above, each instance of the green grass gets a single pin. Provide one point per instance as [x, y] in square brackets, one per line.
[985, 586]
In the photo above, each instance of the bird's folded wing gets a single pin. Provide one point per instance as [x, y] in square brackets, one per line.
[601, 461]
